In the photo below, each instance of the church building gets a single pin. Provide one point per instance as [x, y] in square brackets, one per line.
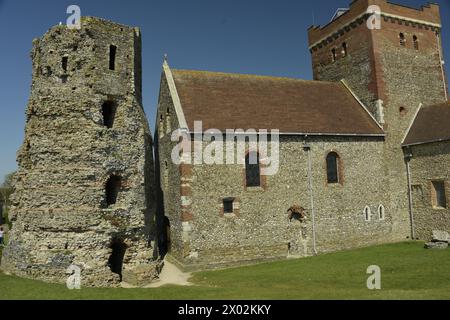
[363, 148]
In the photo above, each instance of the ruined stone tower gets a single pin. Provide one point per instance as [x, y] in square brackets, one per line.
[393, 67]
[84, 192]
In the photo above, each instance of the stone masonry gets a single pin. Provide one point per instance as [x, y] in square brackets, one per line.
[84, 193]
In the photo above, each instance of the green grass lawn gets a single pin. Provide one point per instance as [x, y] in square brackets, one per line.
[408, 272]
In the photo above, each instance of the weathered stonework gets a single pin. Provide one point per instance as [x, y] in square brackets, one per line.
[85, 187]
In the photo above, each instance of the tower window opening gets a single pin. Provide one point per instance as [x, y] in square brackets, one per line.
[65, 61]
[416, 42]
[109, 113]
[112, 57]
[333, 54]
[402, 40]
[112, 190]
[344, 49]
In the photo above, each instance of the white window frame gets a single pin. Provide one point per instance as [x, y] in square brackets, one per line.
[367, 214]
[381, 212]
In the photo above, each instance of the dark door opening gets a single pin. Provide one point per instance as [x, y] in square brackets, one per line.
[109, 113]
[164, 237]
[115, 261]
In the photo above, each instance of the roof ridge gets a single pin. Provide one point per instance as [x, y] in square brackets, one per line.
[253, 76]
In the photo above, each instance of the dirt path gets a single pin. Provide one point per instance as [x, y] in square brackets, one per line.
[170, 275]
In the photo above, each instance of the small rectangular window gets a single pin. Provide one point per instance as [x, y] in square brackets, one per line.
[439, 199]
[252, 170]
[228, 206]
[112, 57]
[65, 61]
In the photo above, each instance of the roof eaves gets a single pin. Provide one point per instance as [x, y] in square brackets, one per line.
[425, 142]
[314, 134]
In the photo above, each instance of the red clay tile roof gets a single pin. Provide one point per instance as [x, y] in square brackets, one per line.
[231, 101]
[432, 124]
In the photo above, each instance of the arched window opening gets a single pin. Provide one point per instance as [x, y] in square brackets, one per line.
[344, 49]
[333, 168]
[333, 54]
[109, 114]
[112, 57]
[402, 40]
[416, 42]
[115, 261]
[367, 214]
[381, 212]
[252, 170]
[112, 189]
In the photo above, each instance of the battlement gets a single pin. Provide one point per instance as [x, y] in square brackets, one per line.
[427, 15]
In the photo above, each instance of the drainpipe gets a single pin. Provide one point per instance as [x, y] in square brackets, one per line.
[441, 62]
[307, 148]
[408, 157]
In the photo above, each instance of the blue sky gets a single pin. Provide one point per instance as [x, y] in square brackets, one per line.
[267, 37]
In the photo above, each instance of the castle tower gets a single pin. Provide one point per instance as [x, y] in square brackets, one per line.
[393, 66]
[84, 191]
